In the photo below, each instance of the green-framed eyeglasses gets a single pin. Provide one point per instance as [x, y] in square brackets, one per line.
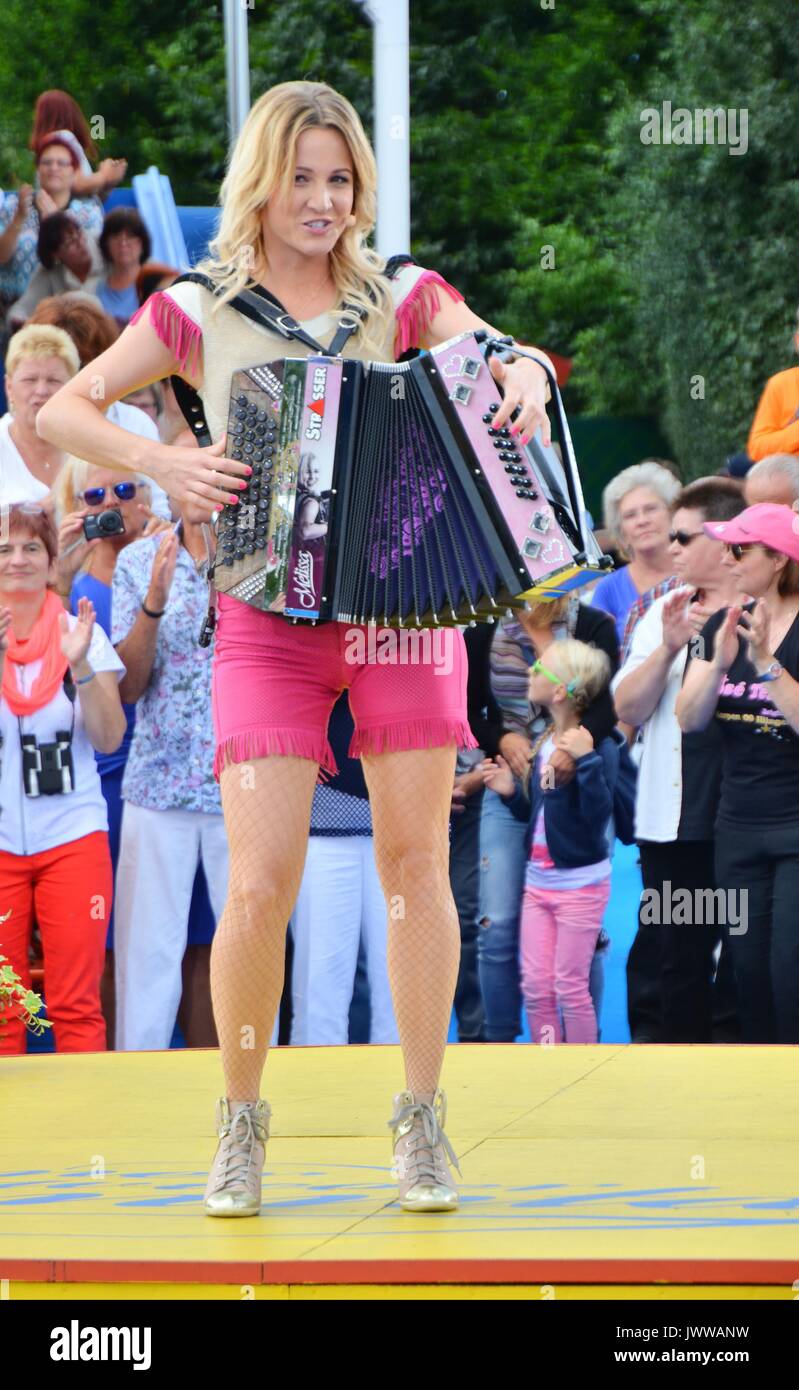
[538, 669]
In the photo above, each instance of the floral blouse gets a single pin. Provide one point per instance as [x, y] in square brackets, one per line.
[171, 759]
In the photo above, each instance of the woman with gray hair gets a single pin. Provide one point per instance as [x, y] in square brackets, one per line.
[637, 506]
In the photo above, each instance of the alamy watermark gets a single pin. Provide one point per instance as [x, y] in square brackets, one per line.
[388, 646]
[705, 125]
[695, 907]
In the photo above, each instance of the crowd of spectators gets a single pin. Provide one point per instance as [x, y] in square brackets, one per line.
[664, 699]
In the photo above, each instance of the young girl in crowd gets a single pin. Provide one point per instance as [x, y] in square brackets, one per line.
[567, 880]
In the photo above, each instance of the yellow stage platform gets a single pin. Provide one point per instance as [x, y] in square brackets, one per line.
[601, 1172]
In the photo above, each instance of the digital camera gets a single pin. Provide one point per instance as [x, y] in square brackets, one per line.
[102, 524]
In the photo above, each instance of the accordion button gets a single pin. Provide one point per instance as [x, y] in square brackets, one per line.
[487, 420]
[260, 543]
[494, 408]
[258, 456]
[262, 416]
[236, 454]
[228, 560]
[241, 400]
[250, 549]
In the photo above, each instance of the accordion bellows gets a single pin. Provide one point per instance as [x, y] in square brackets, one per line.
[383, 493]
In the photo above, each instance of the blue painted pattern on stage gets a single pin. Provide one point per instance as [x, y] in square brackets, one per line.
[487, 1208]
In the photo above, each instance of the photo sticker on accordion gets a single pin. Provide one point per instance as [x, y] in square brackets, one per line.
[461, 394]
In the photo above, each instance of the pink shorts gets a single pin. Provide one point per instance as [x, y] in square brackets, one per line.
[275, 683]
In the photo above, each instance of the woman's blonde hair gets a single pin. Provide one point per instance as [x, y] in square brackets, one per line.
[263, 162]
[649, 474]
[42, 340]
[72, 479]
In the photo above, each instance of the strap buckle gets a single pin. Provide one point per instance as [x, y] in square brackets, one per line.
[285, 324]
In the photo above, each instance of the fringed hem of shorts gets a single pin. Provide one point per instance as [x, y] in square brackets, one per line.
[419, 308]
[285, 743]
[175, 329]
[405, 735]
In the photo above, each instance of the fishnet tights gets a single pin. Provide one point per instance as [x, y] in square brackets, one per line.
[410, 795]
[267, 809]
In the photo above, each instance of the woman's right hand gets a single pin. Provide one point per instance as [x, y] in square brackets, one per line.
[163, 572]
[69, 532]
[24, 200]
[515, 748]
[204, 477]
[112, 171]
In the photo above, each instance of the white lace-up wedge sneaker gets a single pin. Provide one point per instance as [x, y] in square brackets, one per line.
[234, 1185]
[421, 1154]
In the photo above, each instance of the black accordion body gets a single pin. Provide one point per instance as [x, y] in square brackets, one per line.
[382, 493]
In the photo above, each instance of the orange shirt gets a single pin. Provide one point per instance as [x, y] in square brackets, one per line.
[775, 428]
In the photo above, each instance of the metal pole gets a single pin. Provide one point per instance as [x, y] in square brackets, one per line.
[237, 64]
[392, 122]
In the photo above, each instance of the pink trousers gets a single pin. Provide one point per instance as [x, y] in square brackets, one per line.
[559, 930]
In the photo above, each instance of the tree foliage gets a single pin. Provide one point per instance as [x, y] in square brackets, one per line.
[671, 263]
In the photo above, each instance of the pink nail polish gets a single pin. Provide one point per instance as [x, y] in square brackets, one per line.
[233, 499]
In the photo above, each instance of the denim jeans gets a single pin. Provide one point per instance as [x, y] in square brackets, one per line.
[502, 865]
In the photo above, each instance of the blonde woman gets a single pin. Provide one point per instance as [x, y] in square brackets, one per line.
[39, 361]
[298, 204]
[637, 506]
[567, 878]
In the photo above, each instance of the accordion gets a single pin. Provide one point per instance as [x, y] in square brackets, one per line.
[382, 493]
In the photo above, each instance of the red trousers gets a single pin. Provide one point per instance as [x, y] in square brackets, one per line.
[71, 888]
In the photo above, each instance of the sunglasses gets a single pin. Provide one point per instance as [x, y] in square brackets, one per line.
[92, 496]
[738, 551]
[684, 538]
[537, 669]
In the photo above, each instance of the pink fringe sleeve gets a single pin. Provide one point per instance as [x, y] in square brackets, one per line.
[175, 329]
[419, 308]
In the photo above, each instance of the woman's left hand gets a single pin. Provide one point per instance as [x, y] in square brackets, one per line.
[45, 205]
[75, 641]
[753, 627]
[525, 386]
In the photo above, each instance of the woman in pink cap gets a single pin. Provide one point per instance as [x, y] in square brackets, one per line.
[749, 681]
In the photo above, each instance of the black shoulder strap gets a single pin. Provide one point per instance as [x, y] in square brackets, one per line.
[258, 305]
[261, 308]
